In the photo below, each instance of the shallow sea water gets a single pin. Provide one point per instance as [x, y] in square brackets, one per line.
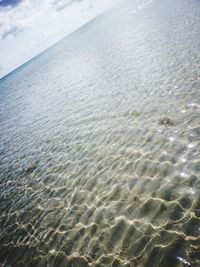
[88, 174]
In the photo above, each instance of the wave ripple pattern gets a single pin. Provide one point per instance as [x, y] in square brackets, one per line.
[90, 175]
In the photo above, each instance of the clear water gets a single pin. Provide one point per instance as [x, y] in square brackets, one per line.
[89, 175]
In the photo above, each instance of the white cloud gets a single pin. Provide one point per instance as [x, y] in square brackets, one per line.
[61, 4]
[13, 31]
[17, 19]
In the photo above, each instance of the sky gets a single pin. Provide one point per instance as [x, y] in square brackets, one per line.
[28, 27]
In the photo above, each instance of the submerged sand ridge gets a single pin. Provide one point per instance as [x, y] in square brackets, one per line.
[89, 176]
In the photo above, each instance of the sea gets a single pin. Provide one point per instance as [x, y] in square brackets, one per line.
[100, 144]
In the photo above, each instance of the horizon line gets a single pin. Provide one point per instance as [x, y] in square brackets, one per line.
[57, 42]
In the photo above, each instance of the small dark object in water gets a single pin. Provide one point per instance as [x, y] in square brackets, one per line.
[166, 121]
[31, 169]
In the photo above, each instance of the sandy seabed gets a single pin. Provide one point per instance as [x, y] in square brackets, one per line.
[89, 176]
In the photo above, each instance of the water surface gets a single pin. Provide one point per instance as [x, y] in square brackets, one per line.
[88, 174]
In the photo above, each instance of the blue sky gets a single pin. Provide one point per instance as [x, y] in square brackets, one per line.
[27, 27]
[4, 3]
